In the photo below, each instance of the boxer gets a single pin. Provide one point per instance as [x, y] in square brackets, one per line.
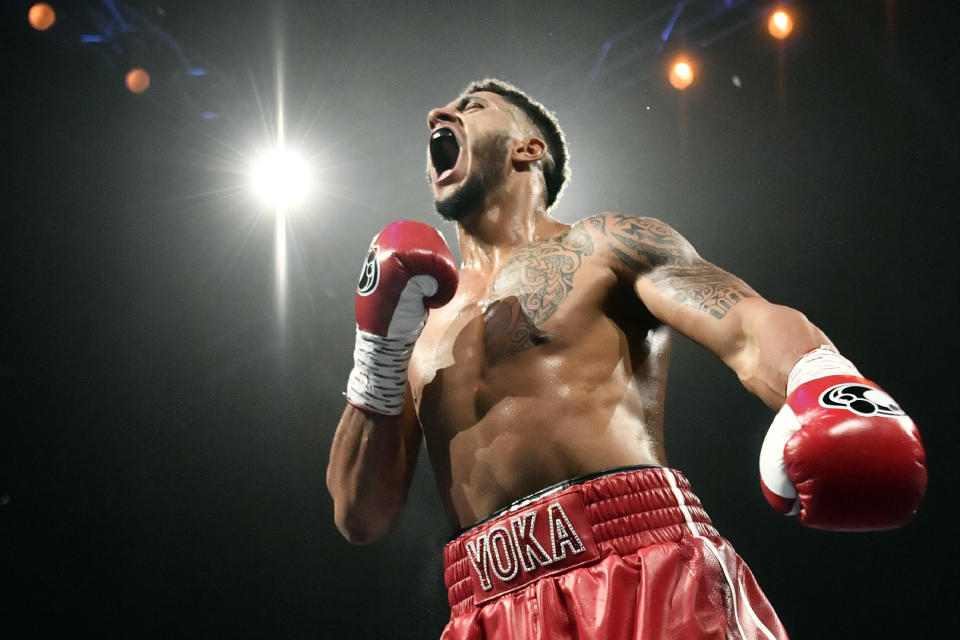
[535, 376]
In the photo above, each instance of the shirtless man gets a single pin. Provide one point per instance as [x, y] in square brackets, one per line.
[537, 384]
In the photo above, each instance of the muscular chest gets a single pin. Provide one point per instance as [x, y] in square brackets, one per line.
[541, 276]
[540, 299]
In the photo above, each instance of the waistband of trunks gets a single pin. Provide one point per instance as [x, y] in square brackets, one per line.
[573, 523]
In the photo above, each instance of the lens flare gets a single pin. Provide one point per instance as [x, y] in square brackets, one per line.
[681, 74]
[41, 16]
[780, 24]
[281, 178]
[137, 80]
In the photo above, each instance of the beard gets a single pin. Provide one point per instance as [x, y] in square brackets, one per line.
[488, 156]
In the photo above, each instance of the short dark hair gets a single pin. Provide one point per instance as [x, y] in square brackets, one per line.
[557, 172]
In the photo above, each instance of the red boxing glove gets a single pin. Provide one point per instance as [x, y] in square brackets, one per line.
[409, 269]
[840, 452]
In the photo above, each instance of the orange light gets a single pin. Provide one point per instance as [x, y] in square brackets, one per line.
[780, 24]
[41, 16]
[138, 80]
[681, 74]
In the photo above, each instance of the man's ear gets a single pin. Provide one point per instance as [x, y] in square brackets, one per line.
[529, 150]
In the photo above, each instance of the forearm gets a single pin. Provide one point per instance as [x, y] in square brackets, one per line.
[371, 464]
[772, 339]
[409, 268]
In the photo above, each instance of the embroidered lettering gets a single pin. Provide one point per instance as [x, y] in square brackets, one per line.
[478, 555]
[562, 533]
[531, 552]
[503, 557]
[508, 553]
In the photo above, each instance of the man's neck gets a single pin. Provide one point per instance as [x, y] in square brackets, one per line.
[509, 219]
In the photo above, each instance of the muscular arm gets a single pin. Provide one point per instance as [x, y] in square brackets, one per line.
[372, 460]
[759, 340]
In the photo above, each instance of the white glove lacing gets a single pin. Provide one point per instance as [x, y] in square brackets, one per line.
[379, 376]
[821, 362]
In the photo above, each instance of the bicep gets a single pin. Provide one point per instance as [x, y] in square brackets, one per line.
[759, 340]
[679, 287]
[700, 300]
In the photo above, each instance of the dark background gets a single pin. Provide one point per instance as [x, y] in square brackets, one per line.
[164, 429]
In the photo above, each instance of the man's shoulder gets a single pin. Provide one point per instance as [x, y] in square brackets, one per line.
[635, 242]
[611, 222]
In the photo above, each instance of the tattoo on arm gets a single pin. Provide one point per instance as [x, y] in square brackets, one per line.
[701, 285]
[645, 241]
[650, 248]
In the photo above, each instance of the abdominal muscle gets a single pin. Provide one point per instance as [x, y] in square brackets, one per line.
[501, 425]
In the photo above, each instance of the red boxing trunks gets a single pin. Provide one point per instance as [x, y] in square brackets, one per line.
[629, 553]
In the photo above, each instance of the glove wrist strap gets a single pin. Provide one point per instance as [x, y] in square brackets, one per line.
[822, 361]
[379, 376]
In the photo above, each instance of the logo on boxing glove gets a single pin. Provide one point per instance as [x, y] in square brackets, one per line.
[370, 273]
[860, 399]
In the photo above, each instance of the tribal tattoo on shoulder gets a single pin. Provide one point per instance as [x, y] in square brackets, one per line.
[652, 248]
[641, 242]
[541, 274]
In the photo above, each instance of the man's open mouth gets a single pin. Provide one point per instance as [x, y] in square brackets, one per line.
[444, 151]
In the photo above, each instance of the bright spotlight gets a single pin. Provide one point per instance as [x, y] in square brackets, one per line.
[281, 178]
[137, 80]
[780, 24]
[41, 16]
[681, 74]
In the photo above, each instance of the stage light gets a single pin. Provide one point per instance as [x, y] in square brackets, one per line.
[281, 178]
[681, 74]
[780, 24]
[138, 80]
[41, 16]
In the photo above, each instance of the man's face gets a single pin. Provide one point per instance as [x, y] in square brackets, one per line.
[468, 151]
